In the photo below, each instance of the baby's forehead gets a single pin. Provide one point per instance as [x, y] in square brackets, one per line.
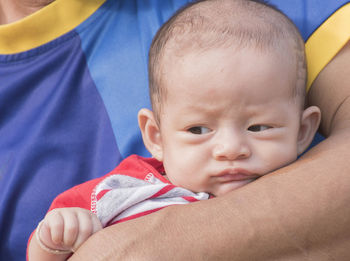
[194, 56]
[185, 64]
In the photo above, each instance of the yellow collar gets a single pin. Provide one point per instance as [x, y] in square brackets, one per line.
[45, 25]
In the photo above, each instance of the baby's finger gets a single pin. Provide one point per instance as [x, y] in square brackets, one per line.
[88, 224]
[85, 229]
[97, 226]
[54, 221]
[71, 227]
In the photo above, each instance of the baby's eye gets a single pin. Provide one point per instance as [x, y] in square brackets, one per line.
[257, 128]
[199, 130]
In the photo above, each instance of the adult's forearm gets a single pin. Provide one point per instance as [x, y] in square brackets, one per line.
[300, 213]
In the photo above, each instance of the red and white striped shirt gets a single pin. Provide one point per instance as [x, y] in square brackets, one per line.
[134, 188]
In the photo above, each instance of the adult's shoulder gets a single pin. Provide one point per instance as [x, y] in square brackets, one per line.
[323, 24]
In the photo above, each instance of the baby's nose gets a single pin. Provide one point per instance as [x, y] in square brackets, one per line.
[231, 147]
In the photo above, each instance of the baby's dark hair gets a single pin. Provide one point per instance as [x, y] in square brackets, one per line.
[205, 24]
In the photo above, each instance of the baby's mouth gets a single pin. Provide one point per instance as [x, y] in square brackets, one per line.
[237, 174]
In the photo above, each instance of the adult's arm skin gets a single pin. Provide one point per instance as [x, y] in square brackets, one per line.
[300, 212]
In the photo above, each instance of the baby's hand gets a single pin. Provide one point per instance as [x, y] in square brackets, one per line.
[68, 228]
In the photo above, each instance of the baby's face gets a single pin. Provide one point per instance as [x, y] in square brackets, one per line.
[228, 118]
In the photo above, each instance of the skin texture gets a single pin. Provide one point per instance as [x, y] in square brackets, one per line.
[297, 213]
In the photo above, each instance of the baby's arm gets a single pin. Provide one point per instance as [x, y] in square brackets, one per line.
[61, 232]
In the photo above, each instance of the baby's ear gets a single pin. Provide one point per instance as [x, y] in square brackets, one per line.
[310, 121]
[150, 133]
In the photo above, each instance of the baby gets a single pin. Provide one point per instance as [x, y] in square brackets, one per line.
[227, 86]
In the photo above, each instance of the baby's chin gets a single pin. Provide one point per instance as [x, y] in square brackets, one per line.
[227, 187]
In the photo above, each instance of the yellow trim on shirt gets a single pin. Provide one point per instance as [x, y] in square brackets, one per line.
[45, 25]
[327, 41]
